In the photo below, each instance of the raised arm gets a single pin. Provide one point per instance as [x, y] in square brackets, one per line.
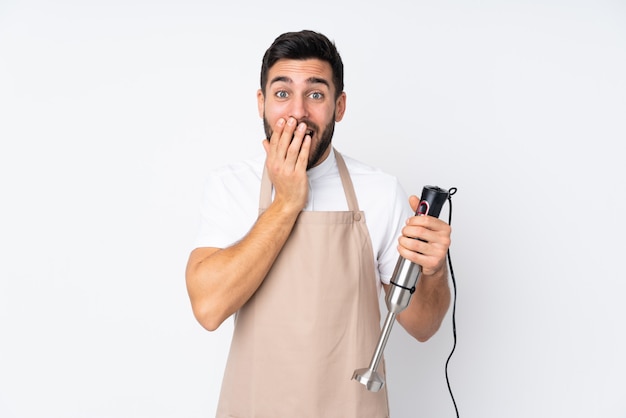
[220, 281]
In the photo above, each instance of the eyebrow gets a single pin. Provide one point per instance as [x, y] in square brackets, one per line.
[310, 80]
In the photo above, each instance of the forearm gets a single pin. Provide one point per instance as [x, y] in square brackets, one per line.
[220, 281]
[429, 305]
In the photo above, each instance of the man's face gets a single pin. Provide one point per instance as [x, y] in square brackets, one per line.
[303, 89]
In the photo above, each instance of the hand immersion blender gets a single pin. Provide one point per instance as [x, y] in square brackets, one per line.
[402, 287]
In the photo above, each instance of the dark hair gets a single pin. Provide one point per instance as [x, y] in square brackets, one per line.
[300, 46]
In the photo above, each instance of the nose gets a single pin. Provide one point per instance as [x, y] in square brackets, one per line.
[299, 108]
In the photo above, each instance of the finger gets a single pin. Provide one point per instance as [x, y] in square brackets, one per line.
[295, 146]
[430, 264]
[433, 245]
[277, 131]
[416, 254]
[303, 156]
[422, 253]
[417, 233]
[431, 230]
[279, 126]
[414, 201]
[429, 222]
[286, 136]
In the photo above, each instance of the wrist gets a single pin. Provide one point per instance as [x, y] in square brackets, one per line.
[439, 274]
[286, 208]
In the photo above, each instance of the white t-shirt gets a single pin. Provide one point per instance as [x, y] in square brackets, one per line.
[231, 204]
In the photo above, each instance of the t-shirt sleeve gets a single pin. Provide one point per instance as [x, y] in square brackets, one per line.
[399, 211]
[229, 208]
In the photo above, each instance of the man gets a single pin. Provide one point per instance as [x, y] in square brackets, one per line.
[304, 272]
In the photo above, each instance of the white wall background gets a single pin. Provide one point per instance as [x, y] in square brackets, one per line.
[111, 113]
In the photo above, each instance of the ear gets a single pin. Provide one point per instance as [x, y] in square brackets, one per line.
[260, 102]
[340, 107]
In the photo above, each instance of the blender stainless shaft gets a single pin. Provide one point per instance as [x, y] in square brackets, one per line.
[370, 377]
[402, 286]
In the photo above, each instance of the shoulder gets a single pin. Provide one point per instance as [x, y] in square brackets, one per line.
[379, 193]
[371, 179]
[252, 167]
[236, 176]
[229, 203]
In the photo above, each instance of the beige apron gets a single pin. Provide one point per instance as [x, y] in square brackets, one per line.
[313, 321]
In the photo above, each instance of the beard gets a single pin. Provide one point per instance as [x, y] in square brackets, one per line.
[318, 148]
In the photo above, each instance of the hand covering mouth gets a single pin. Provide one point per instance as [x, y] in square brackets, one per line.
[309, 132]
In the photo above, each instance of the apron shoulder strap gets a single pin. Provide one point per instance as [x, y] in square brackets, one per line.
[265, 198]
[346, 181]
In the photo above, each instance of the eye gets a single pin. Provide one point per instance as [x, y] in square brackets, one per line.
[282, 94]
[316, 95]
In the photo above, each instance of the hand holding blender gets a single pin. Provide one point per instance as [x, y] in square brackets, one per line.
[402, 283]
